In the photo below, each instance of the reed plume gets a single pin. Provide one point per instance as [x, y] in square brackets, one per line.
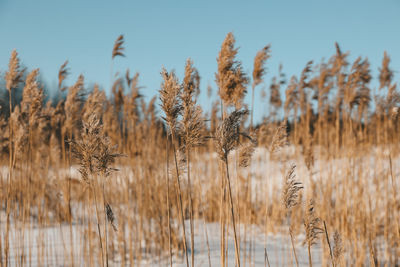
[73, 105]
[170, 100]
[291, 189]
[118, 49]
[337, 248]
[62, 75]
[259, 65]
[292, 98]
[230, 78]
[227, 134]
[312, 226]
[385, 73]
[192, 123]
[246, 151]
[14, 74]
[94, 104]
[279, 139]
[259, 70]
[290, 199]
[275, 94]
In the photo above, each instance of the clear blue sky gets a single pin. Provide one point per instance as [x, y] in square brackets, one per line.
[166, 33]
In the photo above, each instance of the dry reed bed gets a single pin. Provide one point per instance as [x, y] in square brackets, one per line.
[184, 166]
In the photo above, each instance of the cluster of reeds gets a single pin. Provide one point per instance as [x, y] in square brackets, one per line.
[329, 114]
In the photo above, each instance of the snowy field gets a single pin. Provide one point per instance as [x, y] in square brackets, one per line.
[62, 245]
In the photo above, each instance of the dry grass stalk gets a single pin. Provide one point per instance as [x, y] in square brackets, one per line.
[13, 77]
[227, 139]
[192, 127]
[95, 155]
[329, 244]
[171, 105]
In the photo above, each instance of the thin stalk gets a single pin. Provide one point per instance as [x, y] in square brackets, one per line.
[222, 219]
[266, 260]
[98, 226]
[180, 199]
[208, 244]
[294, 250]
[252, 108]
[168, 207]
[10, 167]
[190, 206]
[232, 214]
[394, 196]
[309, 254]
[329, 244]
[105, 224]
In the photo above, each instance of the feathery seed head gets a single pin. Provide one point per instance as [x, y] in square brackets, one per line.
[170, 100]
[259, 62]
[14, 74]
[279, 139]
[62, 75]
[312, 224]
[291, 189]
[192, 123]
[337, 247]
[246, 151]
[118, 47]
[385, 73]
[230, 77]
[227, 134]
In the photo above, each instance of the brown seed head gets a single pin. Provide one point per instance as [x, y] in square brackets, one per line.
[14, 75]
[386, 74]
[312, 224]
[259, 62]
[227, 134]
[291, 188]
[118, 47]
[230, 77]
[170, 99]
[62, 75]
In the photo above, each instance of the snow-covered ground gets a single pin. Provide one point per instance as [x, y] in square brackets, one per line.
[52, 246]
[62, 245]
